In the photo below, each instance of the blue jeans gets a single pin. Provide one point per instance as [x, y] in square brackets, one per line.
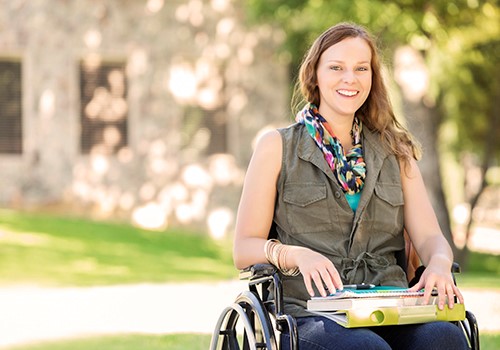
[320, 333]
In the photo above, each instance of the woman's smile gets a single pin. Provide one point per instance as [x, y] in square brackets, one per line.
[348, 93]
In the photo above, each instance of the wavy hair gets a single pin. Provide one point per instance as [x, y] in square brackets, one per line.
[376, 113]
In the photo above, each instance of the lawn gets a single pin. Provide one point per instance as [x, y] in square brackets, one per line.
[127, 342]
[57, 251]
[482, 271]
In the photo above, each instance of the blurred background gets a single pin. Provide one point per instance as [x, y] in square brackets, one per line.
[126, 127]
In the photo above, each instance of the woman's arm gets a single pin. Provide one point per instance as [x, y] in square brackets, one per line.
[256, 209]
[427, 238]
[255, 215]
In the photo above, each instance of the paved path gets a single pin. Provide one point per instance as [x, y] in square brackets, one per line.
[31, 314]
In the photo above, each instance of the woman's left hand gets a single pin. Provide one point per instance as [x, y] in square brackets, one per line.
[436, 276]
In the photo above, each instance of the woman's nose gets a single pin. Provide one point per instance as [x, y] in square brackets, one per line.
[348, 76]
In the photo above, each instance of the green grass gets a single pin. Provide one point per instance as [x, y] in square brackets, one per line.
[55, 251]
[489, 341]
[171, 342]
[482, 271]
[126, 342]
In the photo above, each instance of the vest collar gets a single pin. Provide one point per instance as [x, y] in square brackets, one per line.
[374, 153]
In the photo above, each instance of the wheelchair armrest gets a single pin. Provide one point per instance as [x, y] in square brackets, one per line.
[455, 267]
[257, 271]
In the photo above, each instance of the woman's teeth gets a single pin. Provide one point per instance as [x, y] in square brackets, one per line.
[347, 92]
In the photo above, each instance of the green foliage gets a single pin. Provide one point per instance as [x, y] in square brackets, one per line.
[50, 250]
[459, 39]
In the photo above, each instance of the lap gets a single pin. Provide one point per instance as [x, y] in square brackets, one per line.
[320, 333]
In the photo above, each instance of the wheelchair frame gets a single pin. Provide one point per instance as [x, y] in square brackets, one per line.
[260, 316]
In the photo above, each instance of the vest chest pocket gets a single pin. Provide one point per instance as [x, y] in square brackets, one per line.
[390, 193]
[307, 207]
[387, 208]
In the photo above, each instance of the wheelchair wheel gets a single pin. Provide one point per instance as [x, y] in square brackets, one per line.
[472, 331]
[244, 325]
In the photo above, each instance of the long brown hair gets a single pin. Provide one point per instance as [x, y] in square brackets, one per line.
[376, 113]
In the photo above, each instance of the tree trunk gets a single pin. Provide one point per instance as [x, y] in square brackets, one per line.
[423, 120]
[474, 194]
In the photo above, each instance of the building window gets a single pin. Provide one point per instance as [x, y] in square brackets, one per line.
[104, 107]
[11, 126]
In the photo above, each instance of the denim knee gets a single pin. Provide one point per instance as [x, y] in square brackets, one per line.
[428, 336]
[440, 336]
[319, 333]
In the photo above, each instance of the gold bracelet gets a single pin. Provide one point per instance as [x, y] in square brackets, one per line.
[276, 253]
[294, 271]
[269, 251]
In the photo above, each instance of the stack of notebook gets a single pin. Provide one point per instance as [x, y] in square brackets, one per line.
[380, 306]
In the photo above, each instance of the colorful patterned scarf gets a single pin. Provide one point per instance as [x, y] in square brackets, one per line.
[349, 169]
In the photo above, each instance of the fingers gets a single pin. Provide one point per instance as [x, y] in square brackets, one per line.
[441, 289]
[458, 294]
[446, 290]
[418, 286]
[325, 277]
[307, 283]
[318, 281]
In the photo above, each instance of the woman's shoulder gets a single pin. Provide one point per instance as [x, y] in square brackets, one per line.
[291, 131]
[272, 136]
[291, 127]
[272, 142]
[268, 144]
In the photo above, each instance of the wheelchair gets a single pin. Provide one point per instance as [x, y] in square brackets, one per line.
[254, 321]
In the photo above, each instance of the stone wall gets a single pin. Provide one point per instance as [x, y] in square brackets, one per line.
[183, 59]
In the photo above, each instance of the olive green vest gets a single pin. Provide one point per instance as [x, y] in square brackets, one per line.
[312, 211]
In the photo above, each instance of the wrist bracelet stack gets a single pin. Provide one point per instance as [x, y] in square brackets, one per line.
[276, 254]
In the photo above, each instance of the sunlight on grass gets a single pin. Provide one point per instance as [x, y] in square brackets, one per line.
[23, 238]
[126, 342]
[46, 250]
[489, 341]
[171, 342]
[483, 271]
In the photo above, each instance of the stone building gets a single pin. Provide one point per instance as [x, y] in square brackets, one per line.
[143, 110]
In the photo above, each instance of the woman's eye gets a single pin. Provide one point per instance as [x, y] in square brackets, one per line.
[335, 68]
[363, 69]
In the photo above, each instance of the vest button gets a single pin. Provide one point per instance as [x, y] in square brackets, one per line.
[337, 194]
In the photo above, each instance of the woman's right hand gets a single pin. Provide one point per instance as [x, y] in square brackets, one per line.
[318, 269]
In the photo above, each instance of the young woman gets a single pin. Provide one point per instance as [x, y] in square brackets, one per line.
[342, 185]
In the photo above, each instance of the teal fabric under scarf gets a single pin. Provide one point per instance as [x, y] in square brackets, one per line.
[353, 200]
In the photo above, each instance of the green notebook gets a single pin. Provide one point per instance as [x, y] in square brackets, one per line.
[375, 297]
[385, 316]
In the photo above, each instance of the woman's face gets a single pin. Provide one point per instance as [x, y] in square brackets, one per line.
[344, 78]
